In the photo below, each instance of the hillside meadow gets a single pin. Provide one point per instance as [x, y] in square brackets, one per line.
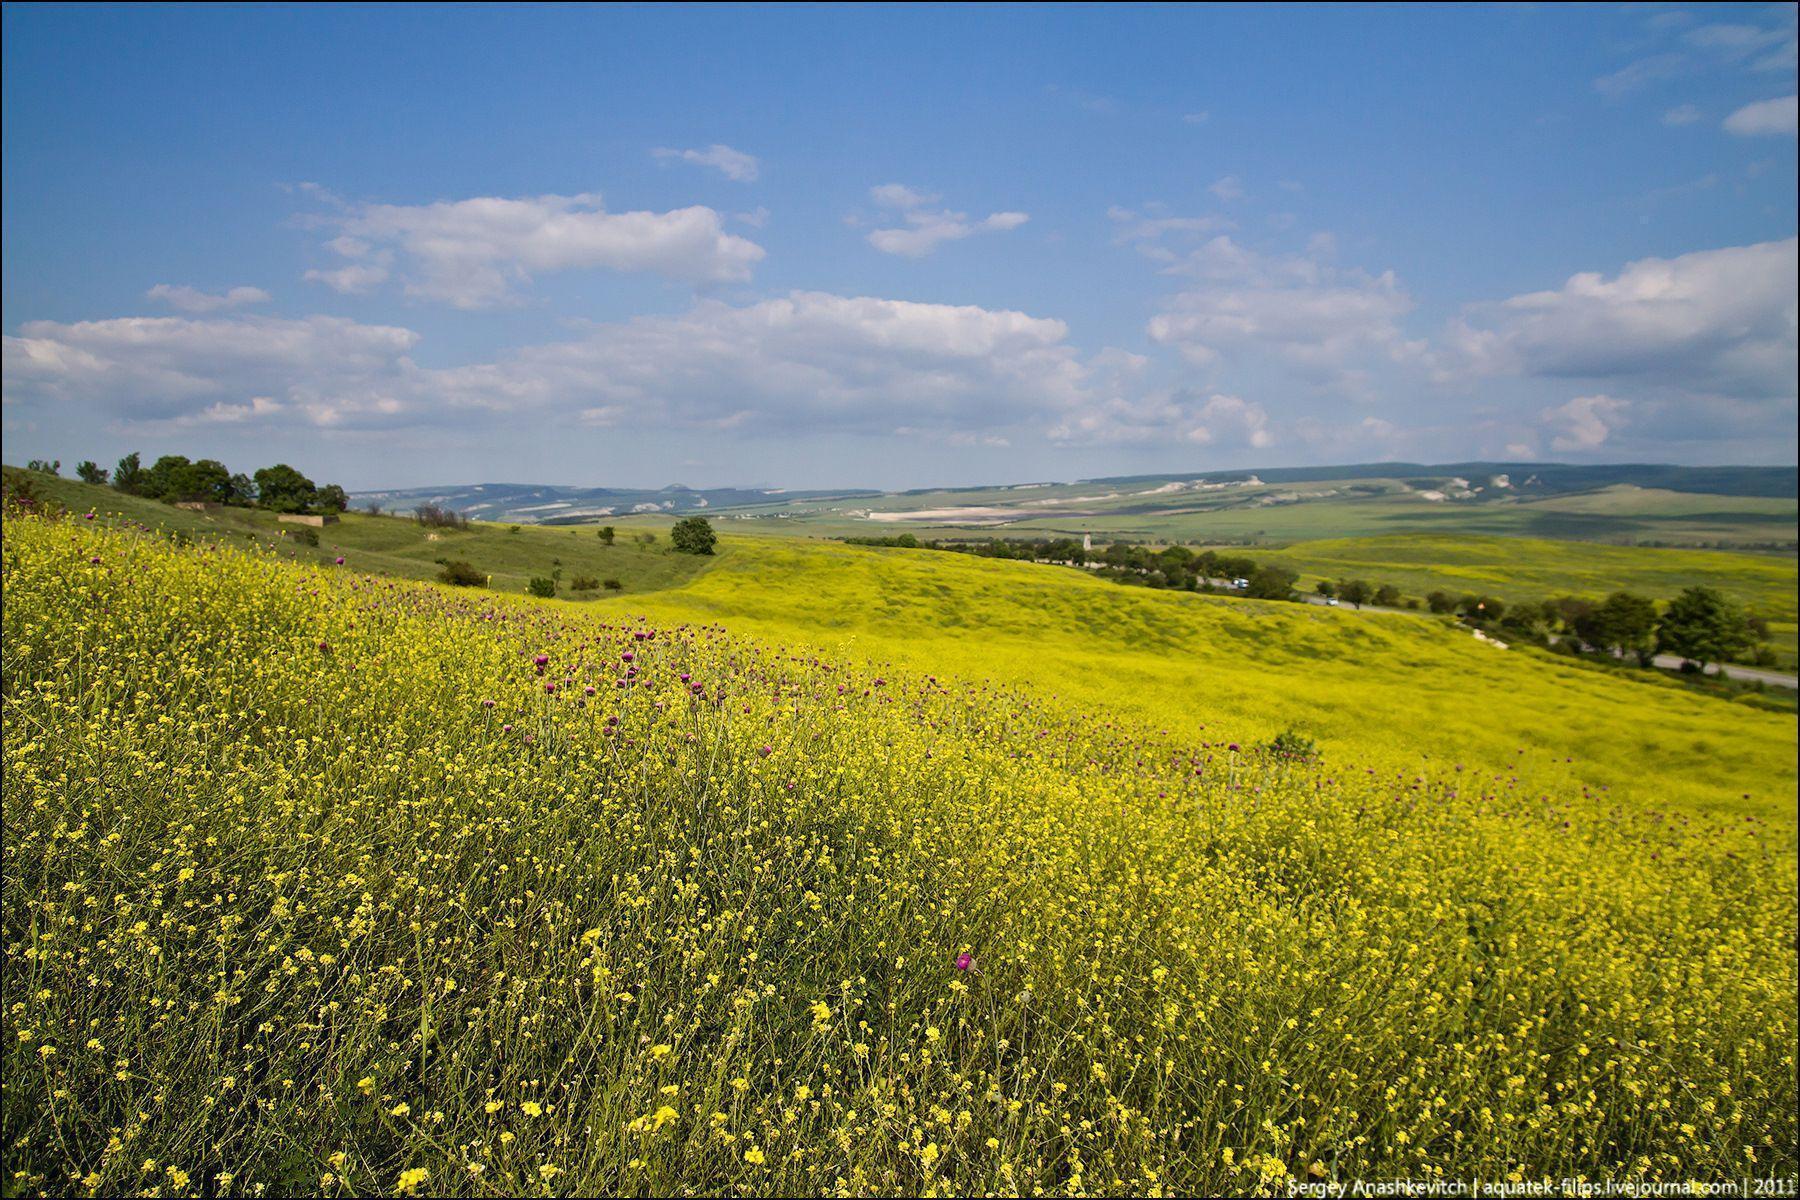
[1402, 689]
[319, 881]
[1517, 569]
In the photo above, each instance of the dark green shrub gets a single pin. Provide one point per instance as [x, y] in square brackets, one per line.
[540, 586]
[462, 574]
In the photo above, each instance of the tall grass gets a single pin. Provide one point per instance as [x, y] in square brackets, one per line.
[318, 882]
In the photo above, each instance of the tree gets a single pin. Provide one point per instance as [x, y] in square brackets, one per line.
[1355, 592]
[166, 477]
[1326, 588]
[49, 466]
[607, 533]
[1703, 627]
[128, 476]
[692, 535]
[1619, 625]
[1386, 596]
[243, 491]
[332, 498]
[283, 489]
[91, 472]
[539, 586]
[1441, 602]
[1272, 583]
[208, 479]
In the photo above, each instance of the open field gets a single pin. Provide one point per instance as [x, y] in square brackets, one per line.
[1266, 513]
[402, 547]
[319, 882]
[1517, 569]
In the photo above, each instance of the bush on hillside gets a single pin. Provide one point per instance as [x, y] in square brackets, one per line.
[462, 574]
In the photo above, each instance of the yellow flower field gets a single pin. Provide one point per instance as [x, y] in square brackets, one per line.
[319, 882]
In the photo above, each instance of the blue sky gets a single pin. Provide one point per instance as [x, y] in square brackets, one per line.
[896, 246]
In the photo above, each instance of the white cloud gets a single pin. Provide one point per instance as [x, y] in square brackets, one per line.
[190, 299]
[1149, 229]
[473, 253]
[1714, 321]
[1584, 423]
[809, 361]
[154, 370]
[1327, 324]
[1779, 117]
[353, 279]
[1229, 188]
[1681, 114]
[925, 227]
[1635, 76]
[1197, 118]
[733, 164]
[1181, 416]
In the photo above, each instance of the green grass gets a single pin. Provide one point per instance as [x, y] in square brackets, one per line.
[1275, 514]
[401, 547]
[1520, 569]
[316, 883]
[1374, 686]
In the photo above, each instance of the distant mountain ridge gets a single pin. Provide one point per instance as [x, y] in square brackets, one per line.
[1782, 483]
[553, 504]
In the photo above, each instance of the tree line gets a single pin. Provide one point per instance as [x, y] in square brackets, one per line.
[176, 479]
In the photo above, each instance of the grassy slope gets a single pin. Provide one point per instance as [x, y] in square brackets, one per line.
[286, 899]
[402, 547]
[1384, 685]
[1381, 686]
[1532, 568]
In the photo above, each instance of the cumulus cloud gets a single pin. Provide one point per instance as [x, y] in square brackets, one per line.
[926, 227]
[1779, 117]
[808, 361]
[733, 164]
[1229, 188]
[474, 253]
[326, 371]
[191, 299]
[1323, 322]
[1152, 230]
[1584, 423]
[1714, 321]
[1182, 416]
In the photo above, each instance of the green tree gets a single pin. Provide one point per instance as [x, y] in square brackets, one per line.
[540, 586]
[128, 476]
[1621, 624]
[91, 472]
[1326, 588]
[1272, 583]
[333, 498]
[1441, 602]
[1355, 592]
[167, 477]
[1386, 596]
[607, 533]
[49, 466]
[1703, 627]
[280, 488]
[692, 535]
